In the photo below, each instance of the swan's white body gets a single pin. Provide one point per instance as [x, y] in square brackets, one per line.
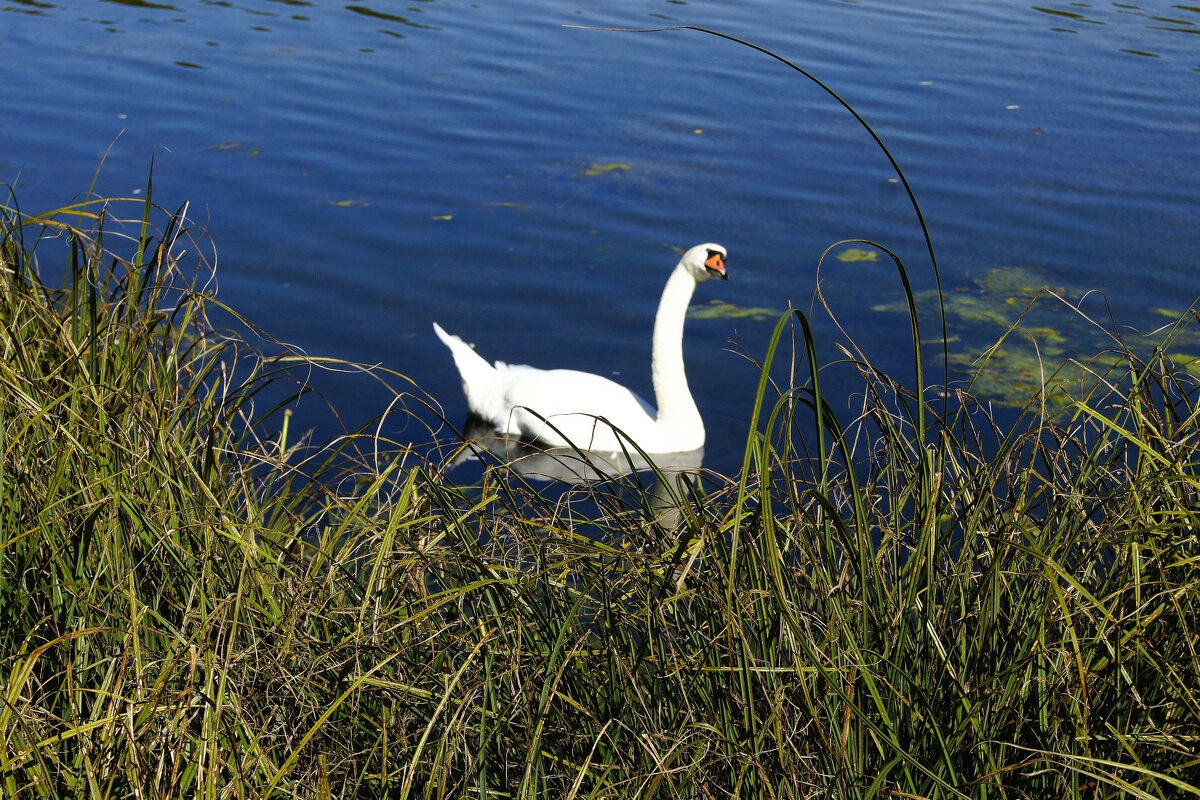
[564, 406]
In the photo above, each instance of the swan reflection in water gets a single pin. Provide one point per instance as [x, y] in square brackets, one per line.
[676, 474]
[558, 463]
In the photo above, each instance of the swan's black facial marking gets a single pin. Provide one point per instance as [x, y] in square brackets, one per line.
[715, 264]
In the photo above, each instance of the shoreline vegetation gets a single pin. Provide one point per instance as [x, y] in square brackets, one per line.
[914, 603]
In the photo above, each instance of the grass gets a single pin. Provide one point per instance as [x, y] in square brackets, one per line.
[916, 603]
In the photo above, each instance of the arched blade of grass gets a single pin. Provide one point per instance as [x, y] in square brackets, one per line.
[912, 197]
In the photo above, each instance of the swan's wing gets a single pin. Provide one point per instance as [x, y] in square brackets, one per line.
[568, 391]
[570, 400]
[517, 399]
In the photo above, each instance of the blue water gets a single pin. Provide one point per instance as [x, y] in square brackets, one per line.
[365, 170]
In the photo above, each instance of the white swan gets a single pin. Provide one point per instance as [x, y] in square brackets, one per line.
[585, 408]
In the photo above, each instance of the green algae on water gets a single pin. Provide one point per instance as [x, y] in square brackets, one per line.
[603, 169]
[852, 254]
[719, 309]
[1013, 338]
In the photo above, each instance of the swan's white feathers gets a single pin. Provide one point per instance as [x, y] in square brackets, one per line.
[571, 401]
[519, 400]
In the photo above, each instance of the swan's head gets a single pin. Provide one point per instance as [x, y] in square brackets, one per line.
[705, 261]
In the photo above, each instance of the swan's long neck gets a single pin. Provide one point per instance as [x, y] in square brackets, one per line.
[676, 408]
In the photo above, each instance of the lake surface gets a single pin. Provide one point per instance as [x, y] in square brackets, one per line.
[365, 170]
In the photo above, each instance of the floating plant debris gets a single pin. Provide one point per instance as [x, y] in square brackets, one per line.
[1046, 343]
[852, 254]
[602, 169]
[719, 309]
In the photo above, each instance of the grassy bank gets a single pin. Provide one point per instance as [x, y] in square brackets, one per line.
[194, 607]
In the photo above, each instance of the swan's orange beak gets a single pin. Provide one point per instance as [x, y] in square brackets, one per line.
[716, 266]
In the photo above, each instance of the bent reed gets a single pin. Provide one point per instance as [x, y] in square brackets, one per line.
[914, 603]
